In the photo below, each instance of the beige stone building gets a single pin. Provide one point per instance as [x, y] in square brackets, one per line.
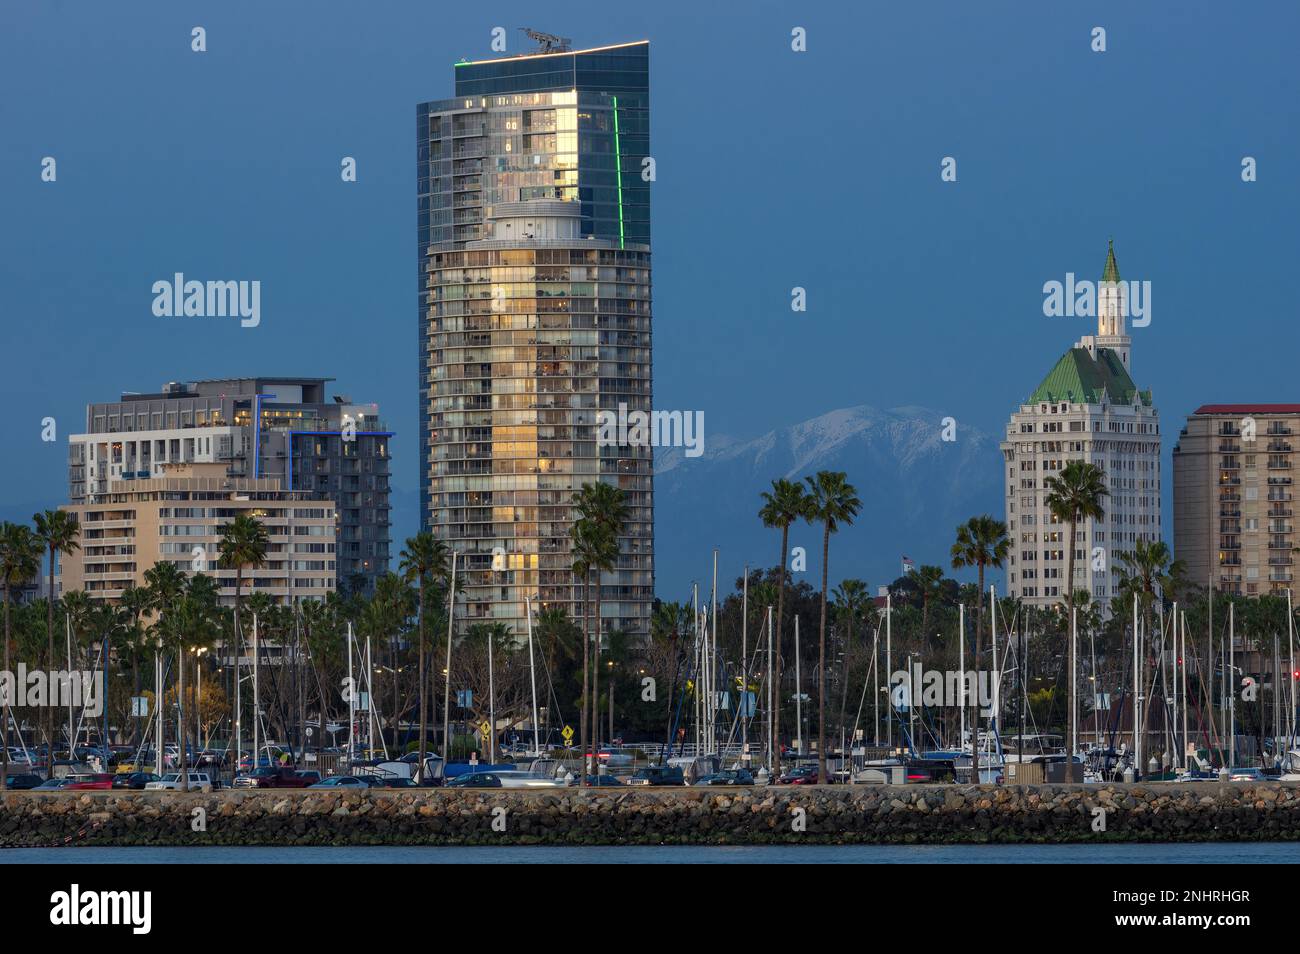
[177, 517]
[1087, 408]
[1233, 509]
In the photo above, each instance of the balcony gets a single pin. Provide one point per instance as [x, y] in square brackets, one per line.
[1229, 448]
[1283, 447]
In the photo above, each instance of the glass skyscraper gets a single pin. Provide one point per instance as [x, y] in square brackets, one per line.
[534, 314]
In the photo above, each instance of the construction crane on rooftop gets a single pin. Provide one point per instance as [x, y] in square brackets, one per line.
[548, 42]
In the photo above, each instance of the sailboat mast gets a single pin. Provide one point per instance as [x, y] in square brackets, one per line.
[744, 670]
[532, 678]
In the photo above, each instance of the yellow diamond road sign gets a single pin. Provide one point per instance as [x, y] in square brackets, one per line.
[567, 733]
[485, 730]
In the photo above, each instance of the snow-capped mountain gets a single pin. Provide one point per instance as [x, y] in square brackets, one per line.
[915, 489]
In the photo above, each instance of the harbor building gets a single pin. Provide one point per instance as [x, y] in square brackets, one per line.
[534, 315]
[1086, 408]
[175, 514]
[284, 428]
[1234, 526]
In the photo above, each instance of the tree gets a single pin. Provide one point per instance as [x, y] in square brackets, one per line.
[852, 599]
[782, 506]
[57, 530]
[591, 547]
[833, 502]
[20, 562]
[425, 561]
[981, 542]
[602, 506]
[385, 618]
[1149, 568]
[243, 542]
[1073, 495]
[928, 582]
[166, 585]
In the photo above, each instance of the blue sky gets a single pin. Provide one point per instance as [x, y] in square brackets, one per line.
[775, 169]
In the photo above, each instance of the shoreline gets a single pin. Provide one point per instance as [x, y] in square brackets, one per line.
[787, 815]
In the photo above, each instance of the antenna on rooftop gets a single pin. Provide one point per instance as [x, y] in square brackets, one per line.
[548, 42]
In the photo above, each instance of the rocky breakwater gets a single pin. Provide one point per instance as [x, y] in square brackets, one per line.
[795, 815]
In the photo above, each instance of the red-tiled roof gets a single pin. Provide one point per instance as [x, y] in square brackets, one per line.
[1248, 409]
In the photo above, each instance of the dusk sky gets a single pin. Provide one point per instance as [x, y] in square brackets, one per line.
[775, 169]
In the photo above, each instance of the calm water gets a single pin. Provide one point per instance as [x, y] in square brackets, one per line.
[1272, 852]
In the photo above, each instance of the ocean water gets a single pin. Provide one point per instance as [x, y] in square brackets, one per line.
[1201, 853]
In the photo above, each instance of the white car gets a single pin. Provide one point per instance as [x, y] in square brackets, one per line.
[171, 782]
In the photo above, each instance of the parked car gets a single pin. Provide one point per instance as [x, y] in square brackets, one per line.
[98, 781]
[734, 777]
[799, 775]
[475, 780]
[22, 783]
[658, 775]
[281, 777]
[171, 782]
[134, 780]
[601, 781]
[376, 781]
[1244, 774]
[51, 785]
[340, 781]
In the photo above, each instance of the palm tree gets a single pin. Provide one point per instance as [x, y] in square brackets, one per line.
[188, 623]
[782, 506]
[833, 502]
[602, 505]
[20, 562]
[981, 542]
[1073, 495]
[134, 603]
[1149, 568]
[588, 546]
[243, 542]
[851, 599]
[57, 530]
[424, 560]
[928, 581]
[166, 585]
[385, 617]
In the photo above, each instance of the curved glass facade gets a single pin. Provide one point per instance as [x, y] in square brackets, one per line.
[521, 342]
[525, 345]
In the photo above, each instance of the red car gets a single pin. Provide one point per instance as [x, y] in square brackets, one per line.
[83, 783]
[800, 775]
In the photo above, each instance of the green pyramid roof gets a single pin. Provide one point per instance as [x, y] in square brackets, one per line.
[1111, 272]
[1078, 378]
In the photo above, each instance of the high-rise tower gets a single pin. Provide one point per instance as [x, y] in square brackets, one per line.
[1086, 408]
[534, 314]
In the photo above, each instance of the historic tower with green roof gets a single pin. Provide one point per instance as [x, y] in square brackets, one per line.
[1087, 407]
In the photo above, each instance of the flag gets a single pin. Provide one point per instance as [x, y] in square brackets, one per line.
[908, 566]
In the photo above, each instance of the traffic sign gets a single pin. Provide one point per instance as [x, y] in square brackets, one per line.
[567, 734]
[485, 730]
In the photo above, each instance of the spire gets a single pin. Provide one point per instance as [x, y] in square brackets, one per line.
[1111, 272]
